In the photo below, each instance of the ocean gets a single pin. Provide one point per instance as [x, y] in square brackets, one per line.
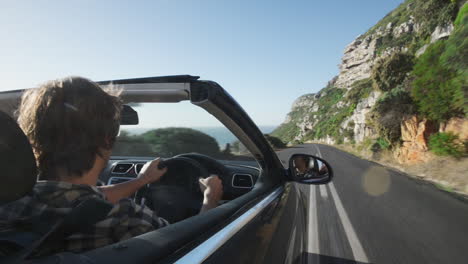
[221, 134]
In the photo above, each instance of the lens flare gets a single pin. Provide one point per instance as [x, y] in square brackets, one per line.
[376, 181]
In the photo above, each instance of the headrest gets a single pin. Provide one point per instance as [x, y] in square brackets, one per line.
[18, 171]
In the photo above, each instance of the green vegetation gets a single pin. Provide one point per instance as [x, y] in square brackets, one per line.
[433, 86]
[446, 144]
[383, 143]
[438, 90]
[388, 113]
[444, 187]
[166, 142]
[397, 16]
[389, 72]
[327, 121]
[428, 14]
[275, 142]
[365, 145]
[359, 90]
[455, 55]
[461, 16]
[432, 13]
[379, 145]
[287, 131]
[331, 117]
[133, 145]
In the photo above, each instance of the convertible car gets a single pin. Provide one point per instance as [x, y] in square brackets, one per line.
[261, 219]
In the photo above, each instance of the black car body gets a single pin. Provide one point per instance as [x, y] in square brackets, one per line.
[262, 223]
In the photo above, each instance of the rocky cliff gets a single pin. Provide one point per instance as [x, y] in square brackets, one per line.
[372, 101]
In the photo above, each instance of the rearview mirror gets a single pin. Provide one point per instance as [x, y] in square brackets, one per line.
[309, 169]
[128, 116]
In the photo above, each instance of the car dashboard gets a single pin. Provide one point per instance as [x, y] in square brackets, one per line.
[239, 178]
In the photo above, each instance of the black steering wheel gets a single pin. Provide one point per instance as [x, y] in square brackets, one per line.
[177, 194]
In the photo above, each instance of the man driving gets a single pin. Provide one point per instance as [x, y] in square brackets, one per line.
[72, 125]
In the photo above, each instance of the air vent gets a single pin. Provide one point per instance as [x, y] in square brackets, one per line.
[242, 181]
[122, 168]
[116, 180]
[138, 167]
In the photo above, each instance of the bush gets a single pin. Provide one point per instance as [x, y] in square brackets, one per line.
[275, 142]
[432, 13]
[359, 90]
[133, 145]
[380, 144]
[388, 113]
[437, 90]
[286, 131]
[446, 144]
[456, 50]
[168, 142]
[383, 143]
[390, 71]
[461, 16]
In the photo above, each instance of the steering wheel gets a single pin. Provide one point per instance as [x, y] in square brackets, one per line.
[177, 194]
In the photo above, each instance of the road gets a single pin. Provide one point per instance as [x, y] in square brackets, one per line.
[371, 214]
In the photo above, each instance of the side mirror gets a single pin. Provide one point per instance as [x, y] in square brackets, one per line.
[309, 169]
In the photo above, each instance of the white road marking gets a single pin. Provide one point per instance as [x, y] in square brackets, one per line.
[323, 191]
[358, 251]
[313, 246]
[356, 247]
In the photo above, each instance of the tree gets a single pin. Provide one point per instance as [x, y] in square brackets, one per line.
[131, 145]
[167, 142]
[275, 142]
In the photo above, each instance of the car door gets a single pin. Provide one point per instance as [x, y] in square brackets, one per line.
[275, 235]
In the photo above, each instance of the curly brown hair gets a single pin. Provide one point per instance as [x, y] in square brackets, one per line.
[68, 121]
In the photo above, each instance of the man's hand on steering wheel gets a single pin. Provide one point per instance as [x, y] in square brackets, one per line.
[212, 189]
[150, 171]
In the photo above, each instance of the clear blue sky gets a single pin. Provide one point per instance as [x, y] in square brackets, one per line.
[265, 53]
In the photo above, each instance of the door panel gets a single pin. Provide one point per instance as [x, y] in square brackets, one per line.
[276, 235]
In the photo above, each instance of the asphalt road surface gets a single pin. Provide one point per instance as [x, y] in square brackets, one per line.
[371, 214]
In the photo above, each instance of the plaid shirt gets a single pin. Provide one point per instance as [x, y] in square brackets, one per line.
[125, 220]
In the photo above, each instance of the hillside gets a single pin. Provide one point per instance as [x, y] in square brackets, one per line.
[402, 88]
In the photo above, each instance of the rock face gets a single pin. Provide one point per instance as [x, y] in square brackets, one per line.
[414, 134]
[357, 61]
[304, 104]
[360, 55]
[421, 50]
[457, 126]
[406, 27]
[346, 116]
[441, 32]
[361, 129]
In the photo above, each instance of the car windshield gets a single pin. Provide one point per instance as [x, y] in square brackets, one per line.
[169, 129]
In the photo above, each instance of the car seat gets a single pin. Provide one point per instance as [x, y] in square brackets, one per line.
[19, 174]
